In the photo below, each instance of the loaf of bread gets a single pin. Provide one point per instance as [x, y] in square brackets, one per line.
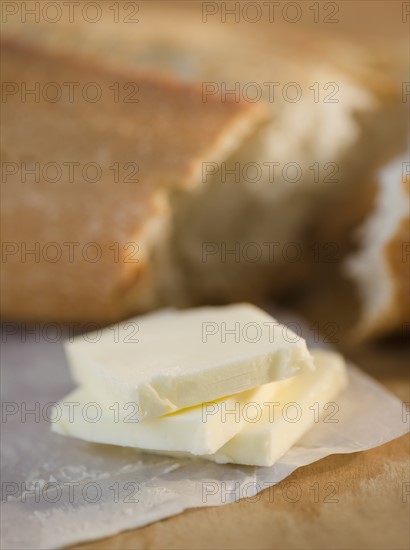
[243, 202]
[381, 267]
[87, 184]
[336, 113]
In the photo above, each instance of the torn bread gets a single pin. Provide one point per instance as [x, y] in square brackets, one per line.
[381, 268]
[86, 184]
[349, 117]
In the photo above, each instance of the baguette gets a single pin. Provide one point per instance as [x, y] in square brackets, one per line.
[349, 119]
[244, 240]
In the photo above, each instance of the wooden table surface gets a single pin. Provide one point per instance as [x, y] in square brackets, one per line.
[370, 507]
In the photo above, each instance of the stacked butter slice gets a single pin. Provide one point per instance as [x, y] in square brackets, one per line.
[229, 384]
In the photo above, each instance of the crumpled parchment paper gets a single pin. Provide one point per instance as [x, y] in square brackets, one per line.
[58, 491]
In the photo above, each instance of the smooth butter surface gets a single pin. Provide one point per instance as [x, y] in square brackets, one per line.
[264, 442]
[296, 405]
[173, 359]
[197, 430]
[255, 427]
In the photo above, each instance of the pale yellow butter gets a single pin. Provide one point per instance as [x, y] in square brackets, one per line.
[175, 359]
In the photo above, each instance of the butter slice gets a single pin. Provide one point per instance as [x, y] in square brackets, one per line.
[175, 359]
[262, 443]
[197, 430]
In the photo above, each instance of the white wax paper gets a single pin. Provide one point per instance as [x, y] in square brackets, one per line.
[59, 491]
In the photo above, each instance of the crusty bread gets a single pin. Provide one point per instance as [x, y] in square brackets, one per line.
[348, 120]
[261, 235]
[381, 268]
[115, 227]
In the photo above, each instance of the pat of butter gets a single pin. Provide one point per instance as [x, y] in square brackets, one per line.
[174, 359]
[255, 427]
[197, 430]
[297, 408]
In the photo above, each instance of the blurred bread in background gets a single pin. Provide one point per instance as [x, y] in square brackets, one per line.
[336, 110]
[381, 267]
[296, 179]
